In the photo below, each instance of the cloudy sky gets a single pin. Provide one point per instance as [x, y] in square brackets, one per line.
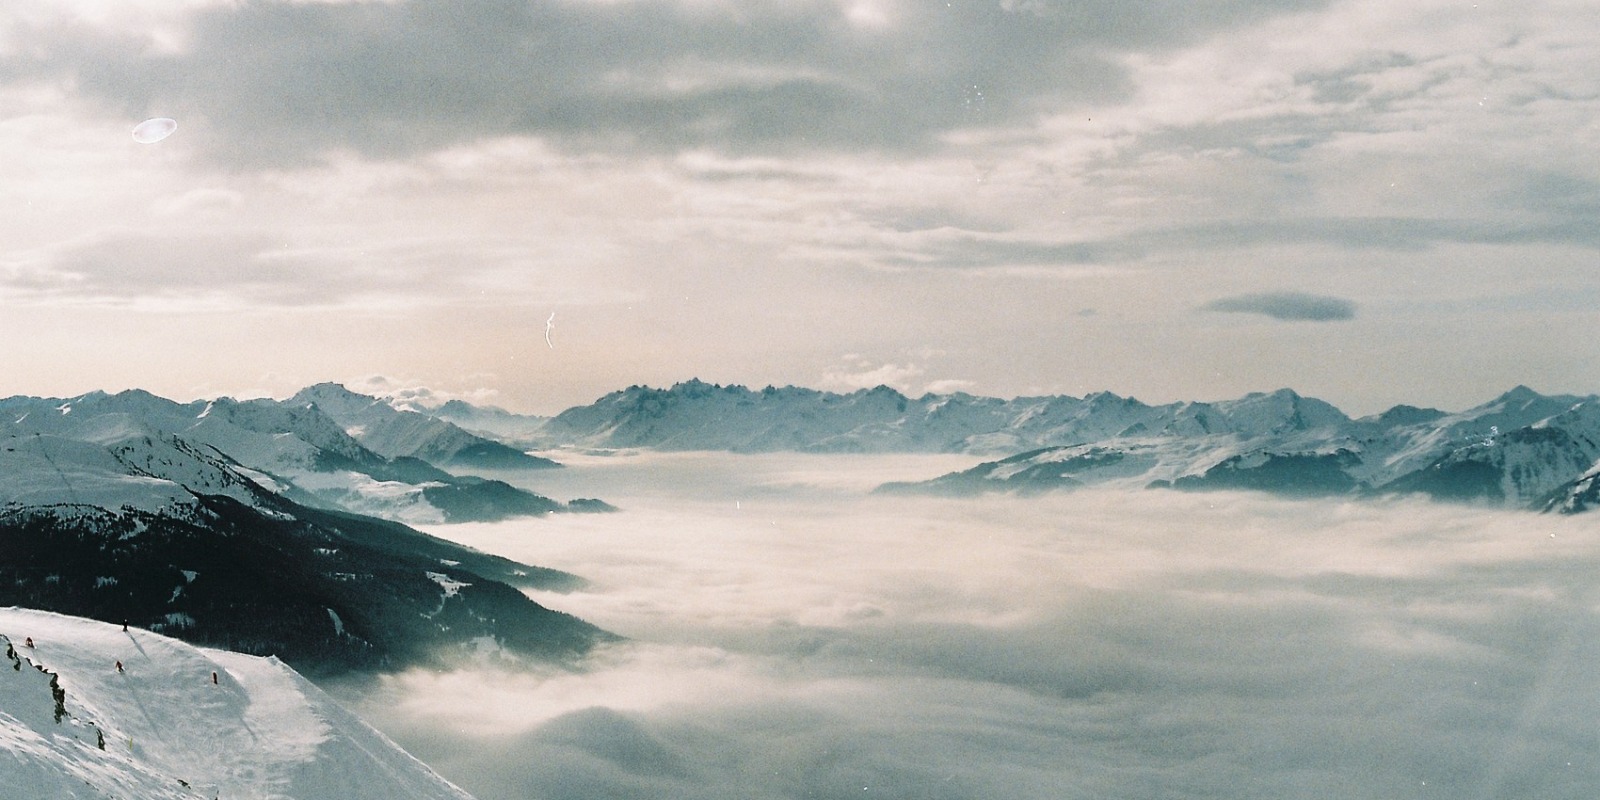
[1372, 202]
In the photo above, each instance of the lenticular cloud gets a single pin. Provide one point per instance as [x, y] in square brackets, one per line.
[154, 130]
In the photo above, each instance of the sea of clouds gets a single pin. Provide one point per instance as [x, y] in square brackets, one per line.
[792, 636]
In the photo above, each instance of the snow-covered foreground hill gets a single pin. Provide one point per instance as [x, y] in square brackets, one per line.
[73, 726]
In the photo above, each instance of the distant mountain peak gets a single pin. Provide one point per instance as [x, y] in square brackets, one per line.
[1520, 393]
[1402, 415]
[328, 390]
[1105, 399]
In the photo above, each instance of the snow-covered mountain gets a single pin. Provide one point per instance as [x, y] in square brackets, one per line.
[701, 416]
[396, 432]
[152, 530]
[287, 447]
[1519, 449]
[73, 725]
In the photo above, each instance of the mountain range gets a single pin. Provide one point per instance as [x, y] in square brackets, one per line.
[333, 447]
[1521, 449]
[276, 529]
[253, 524]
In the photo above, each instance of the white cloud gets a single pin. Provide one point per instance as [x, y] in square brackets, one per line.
[861, 374]
[949, 386]
[408, 392]
[1126, 644]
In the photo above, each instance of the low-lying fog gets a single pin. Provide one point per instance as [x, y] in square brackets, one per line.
[793, 637]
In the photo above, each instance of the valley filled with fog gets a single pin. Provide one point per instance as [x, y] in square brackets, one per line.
[791, 635]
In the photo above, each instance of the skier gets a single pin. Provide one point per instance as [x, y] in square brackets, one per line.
[119, 666]
[28, 642]
[213, 678]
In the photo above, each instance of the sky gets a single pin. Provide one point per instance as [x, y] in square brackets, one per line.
[792, 637]
[534, 203]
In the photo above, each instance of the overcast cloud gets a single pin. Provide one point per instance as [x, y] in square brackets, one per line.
[284, 83]
[809, 642]
[753, 192]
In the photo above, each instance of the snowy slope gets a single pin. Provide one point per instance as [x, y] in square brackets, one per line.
[167, 731]
[1408, 447]
[137, 471]
[50, 470]
[1578, 495]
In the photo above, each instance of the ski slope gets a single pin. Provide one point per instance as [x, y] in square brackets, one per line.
[161, 728]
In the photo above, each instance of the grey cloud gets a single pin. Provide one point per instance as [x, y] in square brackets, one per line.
[1382, 233]
[958, 248]
[1553, 195]
[231, 269]
[124, 266]
[1287, 306]
[1354, 81]
[286, 83]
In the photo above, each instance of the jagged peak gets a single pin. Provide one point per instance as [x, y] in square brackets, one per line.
[881, 390]
[1103, 399]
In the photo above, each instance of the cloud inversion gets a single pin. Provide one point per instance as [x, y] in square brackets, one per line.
[810, 642]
